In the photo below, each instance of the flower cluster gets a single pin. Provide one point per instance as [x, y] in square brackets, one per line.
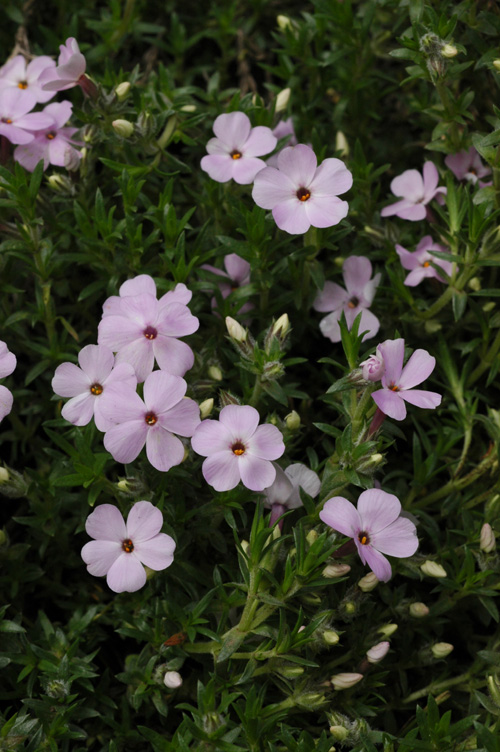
[7, 365]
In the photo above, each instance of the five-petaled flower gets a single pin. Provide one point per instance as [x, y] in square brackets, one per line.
[17, 123]
[467, 165]
[398, 382]
[358, 297]
[237, 448]
[300, 193]
[419, 262]
[18, 74]
[415, 191]
[284, 493]
[375, 526]
[234, 153]
[55, 144]
[7, 365]
[120, 549]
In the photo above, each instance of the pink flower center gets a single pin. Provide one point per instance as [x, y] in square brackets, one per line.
[128, 546]
[22, 85]
[150, 332]
[96, 389]
[303, 194]
[353, 302]
[363, 538]
[150, 419]
[235, 154]
[51, 136]
[238, 448]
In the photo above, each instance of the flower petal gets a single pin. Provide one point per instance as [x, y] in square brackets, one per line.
[100, 555]
[377, 510]
[260, 141]
[172, 355]
[299, 164]
[127, 574]
[339, 514]
[431, 179]
[266, 442]
[329, 326]
[144, 521]
[256, 473]
[182, 419]
[393, 352]
[272, 187]
[233, 129]
[291, 216]
[125, 440]
[331, 179]
[221, 470]
[413, 213]
[211, 436]
[419, 367]
[69, 381]
[408, 260]
[143, 283]
[377, 563]
[6, 401]
[156, 553]
[162, 391]
[163, 449]
[325, 211]
[96, 361]
[80, 409]
[240, 420]
[409, 185]
[237, 268]
[246, 169]
[176, 320]
[357, 271]
[117, 332]
[369, 323]
[279, 491]
[106, 523]
[391, 403]
[139, 353]
[8, 361]
[218, 166]
[422, 398]
[331, 297]
[397, 539]
[301, 477]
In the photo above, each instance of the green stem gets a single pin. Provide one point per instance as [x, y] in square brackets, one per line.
[438, 687]
[486, 362]
[256, 392]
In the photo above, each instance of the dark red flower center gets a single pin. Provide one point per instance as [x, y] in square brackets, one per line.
[303, 194]
[96, 389]
[150, 419]
[236, 154]
[128, 546]
[353, 302]
[6, 120]
[22, 85]
[363, 538]
[150, 332]
[238, 448]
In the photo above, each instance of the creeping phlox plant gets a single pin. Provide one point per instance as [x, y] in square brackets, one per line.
[249, 292]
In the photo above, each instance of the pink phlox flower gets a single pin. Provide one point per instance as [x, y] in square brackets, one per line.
[375, 526]
[419, 262]
[70, 70]
[119, 550]
[143, 283]
[141, 328]
[467, 165]
[357, 298]
[152, 422]
[237, 275]
[7, 365]
[284, 128]
[234, 153]
[54, 144]
[237, 448]
[373, 367]
[301, 194]
[398, 382]
[16, 120]
[415, 192]
[284, 493]
[18, 74]
[91, 384]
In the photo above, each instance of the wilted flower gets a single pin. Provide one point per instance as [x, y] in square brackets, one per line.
[284, 493]
[234, 153]
[53, 144]
[7, 365]
[375, 526]
[414, 191]
[120, 550]
[467, 165]
[356, 299]
[237, 448]
[419, 261]
[18, 74]
[300, 193]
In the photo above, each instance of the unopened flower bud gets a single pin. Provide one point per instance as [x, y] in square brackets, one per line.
[387, 630]
[215, 373]
[475, 284]
[330, 637]
[340, 733]
[188, 108]
[335, 570]
[3, 537]
[341, 144]
[494, 689]
[291, 672]
[235, 330]
[4, 475]
[284, 22]
[441, 649]
[292, 421]
[206, 408]
[60, 183]
[368, 583]
[346, 680]
[487, 541]
[282, 100]
[57, 689]
[168, 132]
[172, 680]
[373, 368]
[433, 569]
[377, 652]
[349, 608]
[123, 485]
[281, 326]
[123, 127]
[310, 700]
[245, 546]
[489, 306]
[496, 64]
[311, 537]
[449, 50]
[432, 326]
[122, 91]
[418, 610]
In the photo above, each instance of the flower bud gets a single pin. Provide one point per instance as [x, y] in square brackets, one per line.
[432, 326]
[292, 421]
[123, 128]
[373, 368]
[433, 569]
[235, 330]
[475, 284]
[282, 100]
[3, 537]
[335, 570]
[341, 144]
[4, 475]
[122, 91]
[188, 108]
[60, 183]
[206, 408]
[349, 608]
[368, 583]
[487, 541]
[57, 689]
[310, 700]
[72, 158]
[377, 652]
[215, 373]
[172, 680]
[291, 672]
[281, 327]
[449, 50]
[245, 546]
[284, 22]
[496, 64]
[330, 637]
[387, 630]
[441, 649]
[418, 610]
[123, 485]
[311, 537]
[339, 733]
[494, 689]
[345, 681]
[489, 306]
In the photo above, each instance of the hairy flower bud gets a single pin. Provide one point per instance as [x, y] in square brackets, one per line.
[172, 680]
[330, 637]
[292, 421]
[291, 672]
[441, 649]
[122, 90]
[4, 475]
[335, 570]
[487, 542]
[449, 50]
[418, 610]
[368, 583]
[345, 680]
[373, 368]
[387, 630]
[494, 689]
[282, 100]
[206, 408]
[123, 128]
[377, 652]
[235, 330]
[281, 327]
[311, 537]
[433, 569]
[340, 733]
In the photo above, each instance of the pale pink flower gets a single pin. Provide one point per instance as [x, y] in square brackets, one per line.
[18, 74]
[467, 165]
[284, 128]
[7, 365]
[419, 262]
[120, 549]
[70, 69]
[237, 275]
[90, 385]
[357, 298]
[284, 493]
[143, 283]
[375, 526]
[373, 367]
[398, 382]
[16, 120]
[415, 191]
[234, 153]
[153, 422]
[53, 144]
[237, 448]
[300, 193]
[378, 651]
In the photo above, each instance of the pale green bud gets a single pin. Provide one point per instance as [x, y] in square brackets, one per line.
[433, 569]
[311, 537]
[387, 630]
[235, 330]
[4, 475]
[123, 484]
[335, 570]
[284, 22]
[167, 132]
[245, 546]
[350, 608]
[441, 649]
[188, 108]
[432, 326]
[494, 689]
[341, 144]
[346, 680]
[281, 326]
[206, 408]
[475, 284]
[331, 637]
[122, 91]
[496, 64]
[215, 373]
[339, 733]
[487, 542]
[489, 306]
[60, 183]
[123, 128]
[282, 100]
[292, 421]
[449, 50]
[310, 700]
[418, 610]
[291, 672]
[368, 583]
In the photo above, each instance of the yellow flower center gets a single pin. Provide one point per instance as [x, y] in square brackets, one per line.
[128, 546]
[238, 448]
[50, 136]
[236, 154]
[303, 194]
[96, 389]
[22, 85]
[363, 538]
